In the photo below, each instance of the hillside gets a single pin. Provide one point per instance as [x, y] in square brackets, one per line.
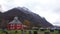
[26, 14]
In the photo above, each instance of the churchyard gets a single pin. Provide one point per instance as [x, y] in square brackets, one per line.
[45, 31]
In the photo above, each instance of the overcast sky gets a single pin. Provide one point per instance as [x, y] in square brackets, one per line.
[50, 9]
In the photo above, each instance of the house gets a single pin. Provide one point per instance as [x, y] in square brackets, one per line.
[15, 24]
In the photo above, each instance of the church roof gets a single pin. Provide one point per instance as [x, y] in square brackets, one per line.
[15, 20]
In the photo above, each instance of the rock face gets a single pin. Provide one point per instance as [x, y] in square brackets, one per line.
[25, 14]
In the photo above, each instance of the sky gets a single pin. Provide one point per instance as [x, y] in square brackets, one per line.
[50, 9]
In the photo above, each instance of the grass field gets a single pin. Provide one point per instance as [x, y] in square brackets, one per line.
[27, 31]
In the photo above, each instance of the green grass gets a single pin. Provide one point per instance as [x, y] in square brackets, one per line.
[27, 31]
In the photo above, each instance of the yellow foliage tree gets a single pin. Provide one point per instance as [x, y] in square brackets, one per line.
[26, 22]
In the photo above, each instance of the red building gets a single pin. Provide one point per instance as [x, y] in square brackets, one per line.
[15, 24]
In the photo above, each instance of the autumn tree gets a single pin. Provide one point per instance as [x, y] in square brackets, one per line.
[26, 22]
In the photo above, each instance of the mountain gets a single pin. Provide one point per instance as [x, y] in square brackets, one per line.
[26, 14]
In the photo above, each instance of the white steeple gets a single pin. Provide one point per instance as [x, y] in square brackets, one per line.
[15, 20]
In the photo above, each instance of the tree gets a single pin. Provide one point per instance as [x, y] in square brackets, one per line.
[0, 21]
[26, 22]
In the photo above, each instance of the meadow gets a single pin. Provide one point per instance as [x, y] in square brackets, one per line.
[30, 31]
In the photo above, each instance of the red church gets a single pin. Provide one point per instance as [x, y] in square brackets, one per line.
[15, 24]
